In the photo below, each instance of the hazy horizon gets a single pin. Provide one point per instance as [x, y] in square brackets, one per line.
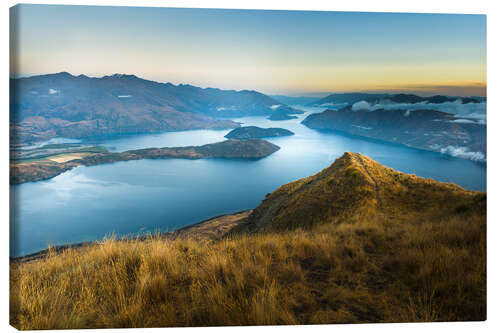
[292, 53]
[313, 94]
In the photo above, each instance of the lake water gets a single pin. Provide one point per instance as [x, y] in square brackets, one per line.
[89, 203]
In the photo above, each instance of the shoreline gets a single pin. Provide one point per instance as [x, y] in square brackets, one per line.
[174, 234]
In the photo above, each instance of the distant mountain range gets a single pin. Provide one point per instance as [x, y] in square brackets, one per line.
[61, 104]
[351, 98]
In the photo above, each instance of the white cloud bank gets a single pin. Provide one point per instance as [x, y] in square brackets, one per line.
[333, 104]
[463, 152]
[463, 121]
[364, 105]
[469, 110]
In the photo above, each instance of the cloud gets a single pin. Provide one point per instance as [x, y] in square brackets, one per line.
[53, 91]
[333, 104]
[223, 108]
[362, 105]
[124, 96]
[362, 127]
[463, 152]
[469, 110]
[481, 117]
[463, 121]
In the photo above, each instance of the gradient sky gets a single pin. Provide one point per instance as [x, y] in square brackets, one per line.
[286, 52]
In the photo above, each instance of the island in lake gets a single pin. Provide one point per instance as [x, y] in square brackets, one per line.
[254, 132]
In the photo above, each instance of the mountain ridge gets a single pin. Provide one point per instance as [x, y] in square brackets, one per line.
[351, 98]
[354, 187]
[61, 104]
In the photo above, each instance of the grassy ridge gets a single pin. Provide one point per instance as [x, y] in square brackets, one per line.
[355, 185]
[365, 264]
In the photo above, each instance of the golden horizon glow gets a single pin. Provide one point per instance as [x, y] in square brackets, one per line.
[278, 52]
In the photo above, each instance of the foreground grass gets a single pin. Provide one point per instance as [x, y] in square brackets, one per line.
[376, 269]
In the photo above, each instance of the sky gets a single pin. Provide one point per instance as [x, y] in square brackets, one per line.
[276, 52]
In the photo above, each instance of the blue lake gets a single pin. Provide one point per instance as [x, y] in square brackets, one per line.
[89, 203]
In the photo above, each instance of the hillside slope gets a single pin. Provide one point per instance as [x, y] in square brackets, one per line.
[355, 243]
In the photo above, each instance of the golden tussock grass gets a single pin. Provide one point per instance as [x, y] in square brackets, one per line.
[352, 272]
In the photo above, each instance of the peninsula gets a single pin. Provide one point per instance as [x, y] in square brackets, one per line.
[40, 169]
